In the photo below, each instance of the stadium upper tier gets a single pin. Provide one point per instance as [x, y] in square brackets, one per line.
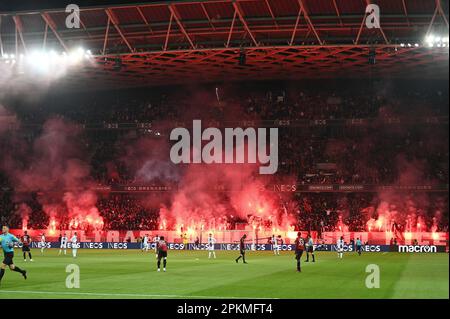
[182, 41]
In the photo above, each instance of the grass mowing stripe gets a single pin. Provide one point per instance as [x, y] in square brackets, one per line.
[56, 293]
[425, 276]
[112, 274]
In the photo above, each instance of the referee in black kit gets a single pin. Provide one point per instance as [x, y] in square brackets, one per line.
[242, 249]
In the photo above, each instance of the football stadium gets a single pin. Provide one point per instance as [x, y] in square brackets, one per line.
[224, 149]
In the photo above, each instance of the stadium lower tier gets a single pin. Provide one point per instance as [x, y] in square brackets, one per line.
[253, 236]
[235, 246]
[132, 274]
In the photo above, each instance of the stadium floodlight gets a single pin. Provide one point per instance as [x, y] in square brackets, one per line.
[38, 60]
[76, 55]
[439, 41]
[44, 61]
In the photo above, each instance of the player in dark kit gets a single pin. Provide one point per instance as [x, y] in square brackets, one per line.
[161, 247]
[242, 249]
[299, 246]
[26, 242]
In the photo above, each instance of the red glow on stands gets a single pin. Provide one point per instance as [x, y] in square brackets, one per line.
[52, 226]
[292, 235]
[86, 222]
[253, 208]
[379, 223]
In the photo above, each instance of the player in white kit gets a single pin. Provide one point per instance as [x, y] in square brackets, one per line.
[42, 244]
[273, 241]
[156, 241]
[74, 241]
[340, 247]
[145, 243]
[63, 244]
[211, 242]
[275, 246]
[280, 244]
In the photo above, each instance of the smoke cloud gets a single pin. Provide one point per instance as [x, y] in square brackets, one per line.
[55, 167]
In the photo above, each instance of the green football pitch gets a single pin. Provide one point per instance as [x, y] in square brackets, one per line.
[190, 274]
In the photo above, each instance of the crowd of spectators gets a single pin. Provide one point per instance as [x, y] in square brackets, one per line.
[411, 149]
[121, 212]
[319, 212]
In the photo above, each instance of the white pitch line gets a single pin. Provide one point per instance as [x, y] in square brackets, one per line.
[119, 295]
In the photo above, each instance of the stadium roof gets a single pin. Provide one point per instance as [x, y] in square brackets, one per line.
[165, 42]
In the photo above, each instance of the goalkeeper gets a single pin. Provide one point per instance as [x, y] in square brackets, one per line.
[7, 241]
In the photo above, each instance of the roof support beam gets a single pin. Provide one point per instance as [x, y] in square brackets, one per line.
[441, 11]
[105, 40]
[244, 23]
[1, 41]
[166, 44]
[300, 11]
[147, 23]
[16, 42]
[207, 16]
[19, 28]
[360, 30]
[436, 10]
[231, 29]
[52, 25]
[271, 13]
[82, 23]
[44, 41]
[175, 14]
[336, 8]
[369, 2]
[405, 10]
[308, 20]
[115, 23]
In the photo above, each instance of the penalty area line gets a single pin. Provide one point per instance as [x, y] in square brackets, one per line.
[119, 295]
